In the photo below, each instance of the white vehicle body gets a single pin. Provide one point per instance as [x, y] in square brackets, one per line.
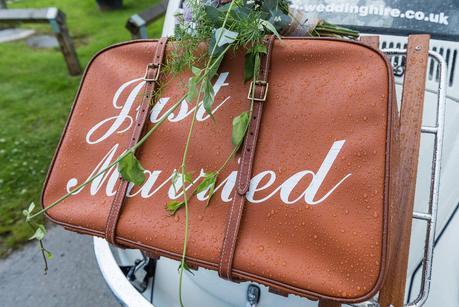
[205, 288]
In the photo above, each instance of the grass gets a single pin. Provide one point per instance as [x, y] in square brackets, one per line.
[36, 94]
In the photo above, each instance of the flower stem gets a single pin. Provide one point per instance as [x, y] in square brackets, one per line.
[45, 260]
[210, 64]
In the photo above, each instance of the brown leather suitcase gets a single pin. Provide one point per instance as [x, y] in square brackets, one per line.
[313, 204]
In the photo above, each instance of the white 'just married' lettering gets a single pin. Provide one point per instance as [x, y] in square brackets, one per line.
[122, 122]
[159, 180]
[285, 188]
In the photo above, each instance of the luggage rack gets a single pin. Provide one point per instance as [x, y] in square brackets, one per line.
[430, 217]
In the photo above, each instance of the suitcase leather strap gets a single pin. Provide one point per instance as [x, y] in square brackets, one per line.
[151, 78]
[259, 90]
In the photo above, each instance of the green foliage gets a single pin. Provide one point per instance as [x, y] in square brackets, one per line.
[214, 15]
[189, 38]
[28, 213]
[269, 26]
[184, 266]
[209, 94]
[213, 69]
[208, 184]
[174, 205]
[252, 60]
[39, 234]
[249, 65]
[176, 177]
[131, 169]
[188, 178]
[48, 254]
[193, 84]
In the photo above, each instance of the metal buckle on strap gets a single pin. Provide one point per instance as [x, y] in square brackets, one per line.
[252, 90]
[156, 76]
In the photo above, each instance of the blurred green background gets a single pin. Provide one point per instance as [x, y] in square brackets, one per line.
[36, 94]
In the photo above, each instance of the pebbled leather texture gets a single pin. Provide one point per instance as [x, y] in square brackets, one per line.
[315, 218]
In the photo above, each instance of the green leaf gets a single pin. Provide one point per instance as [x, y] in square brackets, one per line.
[48, 254]
[39, 234]
[208, 96]
[218, 49]
[31, 207]
[250, 60]
[211, 192]
[269, 26]
[209, 178]
[192, 89]
[240, 124]
[224, 36]
[28, 212]
[256, 68]
[224, 8]
[196, 71]
[280, 20]
[174, 205]
[131, 169]
[214, 15]
[185, 267]
[269, 5]
[249, 66]
[208, 183]
[215, 65]
[241, 13]
[188, 178]
[260, 48]
[176, 176]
